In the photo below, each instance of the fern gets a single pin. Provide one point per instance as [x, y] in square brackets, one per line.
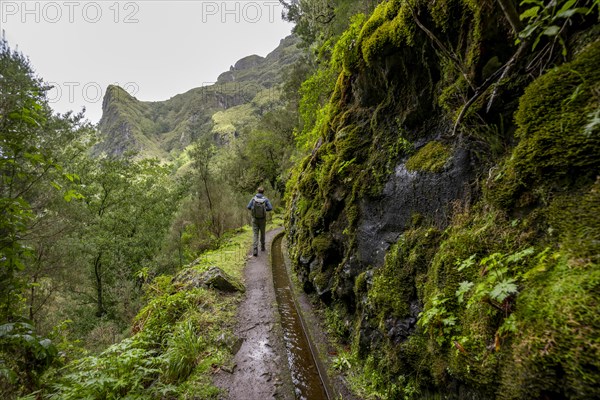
[503, 289]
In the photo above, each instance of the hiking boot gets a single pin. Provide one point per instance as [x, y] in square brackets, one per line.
[255, 253]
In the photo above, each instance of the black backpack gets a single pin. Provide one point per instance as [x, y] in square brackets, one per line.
[259, 208]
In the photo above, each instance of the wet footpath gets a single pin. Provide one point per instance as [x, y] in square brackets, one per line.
[260, 369]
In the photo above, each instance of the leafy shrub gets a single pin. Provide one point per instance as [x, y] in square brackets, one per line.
[24, 356]
[126, 369]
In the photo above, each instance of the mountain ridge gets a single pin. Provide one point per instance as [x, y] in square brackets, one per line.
[161, 129]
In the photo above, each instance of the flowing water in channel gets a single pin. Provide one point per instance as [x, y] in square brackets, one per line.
[305, 374]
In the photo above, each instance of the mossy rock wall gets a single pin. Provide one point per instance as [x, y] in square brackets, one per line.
[473, 273]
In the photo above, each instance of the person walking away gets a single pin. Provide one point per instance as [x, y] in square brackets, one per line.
[258, 206]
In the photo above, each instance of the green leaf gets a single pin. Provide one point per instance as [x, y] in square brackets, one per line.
[463, 288]
[528, 30]
[536, 42]
[509, 325]
[465, 263]
[35, 158]
[552, 30]
[564, 46]
[538, 2]
[594, 122]
[503, 289]
[72, 177]
[566, 14]
[518, 256]
[530, 13]
[73, 194]
[567, 6]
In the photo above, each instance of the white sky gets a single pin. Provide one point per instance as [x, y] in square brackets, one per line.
[154, 49]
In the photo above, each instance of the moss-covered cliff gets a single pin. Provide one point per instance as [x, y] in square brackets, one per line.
[448, 215]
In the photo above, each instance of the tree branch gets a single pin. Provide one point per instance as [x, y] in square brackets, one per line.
[511, 14]
[499, 75]
[443, 49]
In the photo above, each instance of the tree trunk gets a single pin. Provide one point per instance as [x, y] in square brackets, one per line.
[32, 295]
[213, 219]
[100, 311]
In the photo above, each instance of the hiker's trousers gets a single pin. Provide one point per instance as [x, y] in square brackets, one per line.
[258, 226]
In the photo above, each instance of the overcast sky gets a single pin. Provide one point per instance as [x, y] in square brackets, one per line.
[154, 49]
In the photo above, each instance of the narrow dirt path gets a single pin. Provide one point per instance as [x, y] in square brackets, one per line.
[260, 370]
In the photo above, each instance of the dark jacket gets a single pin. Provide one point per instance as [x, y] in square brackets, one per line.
[268, 205]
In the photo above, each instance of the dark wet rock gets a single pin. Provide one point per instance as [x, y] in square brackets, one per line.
[315, 265]
[324, 291]
[399, 329]
[345, 283]
[217, 279]
[405, 194]
[305, 260]
[214, 278]
[369, 337]
[303, 270]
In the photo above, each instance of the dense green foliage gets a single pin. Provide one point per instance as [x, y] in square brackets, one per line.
[179, 338]
[33, 142]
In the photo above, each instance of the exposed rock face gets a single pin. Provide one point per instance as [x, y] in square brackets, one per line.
[406, 194]
[122, 138]
[248, 62]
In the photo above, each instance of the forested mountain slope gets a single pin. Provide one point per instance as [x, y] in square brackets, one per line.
[237, 100]
[448, 214]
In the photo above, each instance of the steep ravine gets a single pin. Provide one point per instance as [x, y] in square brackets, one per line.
[457, 263]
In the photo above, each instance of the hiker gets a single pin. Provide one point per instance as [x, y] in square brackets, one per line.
[258, 206]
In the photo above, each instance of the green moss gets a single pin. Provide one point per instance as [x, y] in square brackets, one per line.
[345, 55]
[393, 284]
[554, 150]
[389, 27]
[320, 279]
[360, 284]
[574, 219]
[321, 244]
[490, 350]
[555, 350]
[430, 158]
